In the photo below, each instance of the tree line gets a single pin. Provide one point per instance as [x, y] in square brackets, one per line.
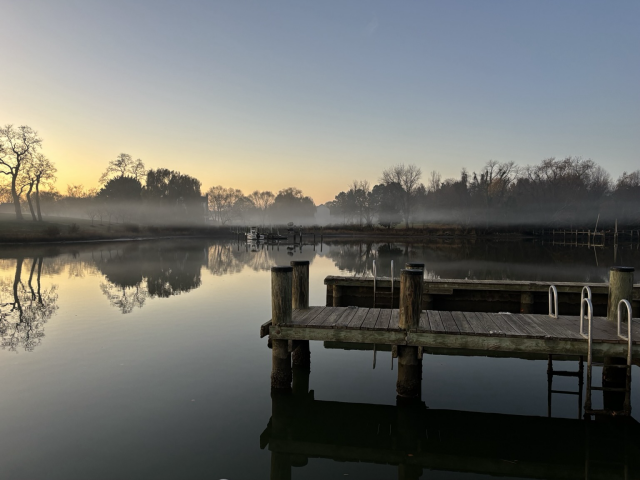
[570, 193]
[567, 192]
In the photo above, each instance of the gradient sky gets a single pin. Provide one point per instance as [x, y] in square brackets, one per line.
[314, 94]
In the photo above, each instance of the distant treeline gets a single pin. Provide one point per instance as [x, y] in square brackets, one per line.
[567, 193]
[564, 193]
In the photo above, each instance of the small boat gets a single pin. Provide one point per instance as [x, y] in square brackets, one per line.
[254, 235]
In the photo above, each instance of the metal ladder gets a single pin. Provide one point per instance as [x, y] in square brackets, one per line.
[585, 301]
[579, 374]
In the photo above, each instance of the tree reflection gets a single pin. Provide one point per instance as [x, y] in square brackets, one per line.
[134, 273]
[22, 319]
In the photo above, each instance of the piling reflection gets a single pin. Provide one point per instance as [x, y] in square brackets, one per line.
[416, 439]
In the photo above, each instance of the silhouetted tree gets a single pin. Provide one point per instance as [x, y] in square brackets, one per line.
[124, 166]
[17, 147]
[408, 177]
[291, 205]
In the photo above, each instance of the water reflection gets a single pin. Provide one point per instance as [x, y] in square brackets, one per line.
[26, 307]
[416, 439]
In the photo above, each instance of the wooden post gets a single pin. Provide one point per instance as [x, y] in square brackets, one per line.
[300, 279]
[281, 312]
[409, 382]
[620, 288]
[411, 285]
[526, 302]
[337, 296]
[301, 355]
[414, 266]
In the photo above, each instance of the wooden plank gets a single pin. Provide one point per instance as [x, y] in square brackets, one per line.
[478, 324]
[303, 320]
[330, 321]
[371, 319]
[383, 319]
[358, 318]
[346, 318]
[602, 330]
[553, 327]
[423, 325]
[298, 315]
[435, 321]
[394, 324]
[461, 321]
[488, 324]
[321, 317]
[504, 326]
[449, 323]
[511, 319]
[534, 330]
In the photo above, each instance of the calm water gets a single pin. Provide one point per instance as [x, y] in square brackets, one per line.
[143, 360]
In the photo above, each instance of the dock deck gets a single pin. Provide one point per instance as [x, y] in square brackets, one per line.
[512, 332]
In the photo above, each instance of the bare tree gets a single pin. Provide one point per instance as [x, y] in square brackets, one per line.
[435, 180]
[262, 201]
[38, 171]
[408, 177]
[222, 201]
[17, 146]
[123, 166]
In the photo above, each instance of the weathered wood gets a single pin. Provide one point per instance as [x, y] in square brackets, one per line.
[370, 320]
[478, 324]
[449, 323]
[300, 286]
[331, 319]
[394, 324]
[319, 319]
[358, 318]
[411, 284]
[435, 322]
[384, 319]
[281, 310]
[620, 288]
[424, 321]
[302, 318]
[280, 364]
[347, 317]
[461, 321]
[337, 295]
[409, 381]
[414, 266]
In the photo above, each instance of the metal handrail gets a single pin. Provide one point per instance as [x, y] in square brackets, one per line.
[391, 283]
[374, 284]
[587, 301]
[628, 338]
[553, 291]
[582, 297]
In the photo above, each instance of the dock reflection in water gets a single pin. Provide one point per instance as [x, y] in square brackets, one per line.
[415, 438]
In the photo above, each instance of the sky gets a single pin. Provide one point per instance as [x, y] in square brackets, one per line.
[315, 94]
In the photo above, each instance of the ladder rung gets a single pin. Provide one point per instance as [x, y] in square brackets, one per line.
[562, 373]
[565, 392]
[609, 389]
[609, 366]
[606, 412]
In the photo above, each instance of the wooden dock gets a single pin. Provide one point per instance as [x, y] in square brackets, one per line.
[411, 329]
[530, 333]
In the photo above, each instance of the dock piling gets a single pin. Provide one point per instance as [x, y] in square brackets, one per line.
[281, 312]
[620, 288]
[409, 382]
[301, 355]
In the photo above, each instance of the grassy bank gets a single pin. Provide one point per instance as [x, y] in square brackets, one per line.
[61, 229]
